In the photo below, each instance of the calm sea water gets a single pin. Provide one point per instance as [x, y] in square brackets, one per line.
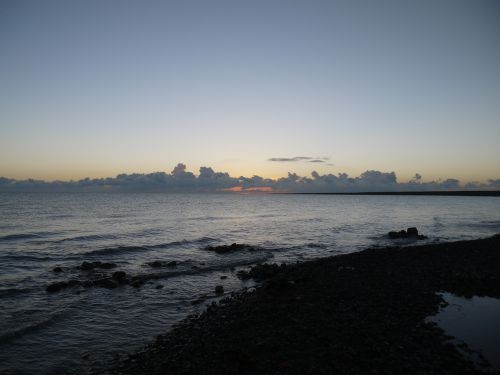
[79, 330]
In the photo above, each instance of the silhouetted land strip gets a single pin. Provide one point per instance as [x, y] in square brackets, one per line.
[361, 313]
[461, 193]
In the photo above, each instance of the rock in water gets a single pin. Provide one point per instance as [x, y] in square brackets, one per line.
[412, 232]
[119, 276]
[87, 266]
[56, 287]
[219, 289]
[106, 283]
[223, 249]
[107, 266]
[159, 263]
[393, 235]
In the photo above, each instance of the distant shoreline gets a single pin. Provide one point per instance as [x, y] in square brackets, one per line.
[457, 193]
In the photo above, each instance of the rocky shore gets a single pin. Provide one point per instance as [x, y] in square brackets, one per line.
[360, 313]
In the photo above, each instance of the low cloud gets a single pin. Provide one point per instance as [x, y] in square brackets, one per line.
[208, 180]
[309, 159]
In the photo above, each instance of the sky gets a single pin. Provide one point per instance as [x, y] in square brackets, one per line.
[99, 88]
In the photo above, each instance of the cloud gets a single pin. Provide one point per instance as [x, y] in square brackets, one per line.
[309, 159]
[208, 180]
[295, 158]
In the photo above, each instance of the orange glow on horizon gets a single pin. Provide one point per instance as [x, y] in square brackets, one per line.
[256, 189]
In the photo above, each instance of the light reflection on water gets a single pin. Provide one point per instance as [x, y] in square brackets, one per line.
[474, 321]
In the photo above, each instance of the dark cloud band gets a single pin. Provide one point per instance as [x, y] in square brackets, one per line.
[180, 180]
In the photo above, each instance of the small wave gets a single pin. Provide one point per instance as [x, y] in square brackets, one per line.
[13, 291]
[197, 271]
[25, 257]
[23, 236]
[490, 223]
[133, 248]
[213, 218]
[317, 245]
[40, 323]
[89, 237]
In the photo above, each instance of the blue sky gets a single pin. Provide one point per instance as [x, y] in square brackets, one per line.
[97, 88]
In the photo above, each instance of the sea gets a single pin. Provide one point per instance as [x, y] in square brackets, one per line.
[81, 330]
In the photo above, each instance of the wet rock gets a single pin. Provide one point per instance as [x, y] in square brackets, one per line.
[265, 271]
[243, 275]
[107, 266]
[223, 277]
[219, 289]
[393, 235]
[57, 269]
[159, 286]
[137, 283]
[106, 283]
[409, 233]
[88, 266]
[56, 287]
[74, 282]
[223, 249]
[87, 284]
[412, 232]
[120, 276]
[159, 263]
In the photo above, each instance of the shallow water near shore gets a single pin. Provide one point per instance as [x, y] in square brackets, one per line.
[476, 322]
[79, 330]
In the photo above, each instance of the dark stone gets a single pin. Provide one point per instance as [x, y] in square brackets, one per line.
[87, 266]
[409, 233]
[159, 286]
[412, 232]
[74, 282]
[106, 283]
[223, 277]
[118, 275]
[243, 275]
[87, 284]
[223, 249]
[107, 266]
[156, 264]
[57, 269]
[393, 235]
[159, 263]
[137, 283]
[56, 287]
[219, 289]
